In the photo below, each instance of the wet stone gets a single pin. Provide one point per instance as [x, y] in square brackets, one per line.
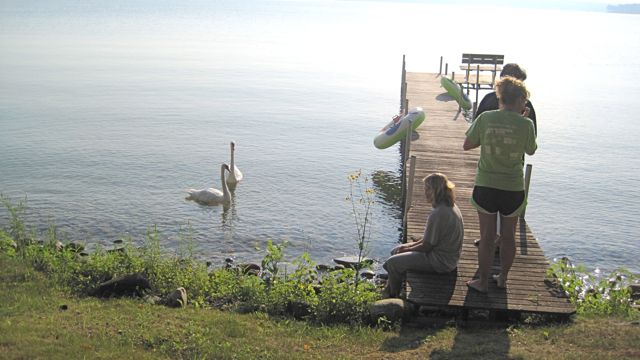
[176, 299]
[353, 262]
[367, 274]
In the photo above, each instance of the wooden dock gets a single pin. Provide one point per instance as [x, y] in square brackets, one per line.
[438, 148]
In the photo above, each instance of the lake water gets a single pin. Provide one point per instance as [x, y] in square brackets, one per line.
[109, 110]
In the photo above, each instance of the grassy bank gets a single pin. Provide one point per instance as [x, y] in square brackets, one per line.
[49, 308]
[38, 321]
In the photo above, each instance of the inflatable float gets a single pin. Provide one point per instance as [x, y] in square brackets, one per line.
[396, 129]
[456, 92]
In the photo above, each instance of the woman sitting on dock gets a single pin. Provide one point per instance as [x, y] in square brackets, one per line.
[504, 136]
[440, 247]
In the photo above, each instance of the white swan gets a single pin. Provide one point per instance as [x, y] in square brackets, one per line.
[235, 175]
[212, 196]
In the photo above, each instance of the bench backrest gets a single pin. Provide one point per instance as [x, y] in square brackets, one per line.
[482, 59]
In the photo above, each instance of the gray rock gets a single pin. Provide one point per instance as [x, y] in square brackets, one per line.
[118, 241]
[392, 310]
[323, 267]
[367, 274]
[352, 262]
[176, 299]
[58, 245]
[128, 285]
[635, 291]
[117, 250]
[82, 257]
[249, 268]
[75, 247]
[383, 276]
[152, 299]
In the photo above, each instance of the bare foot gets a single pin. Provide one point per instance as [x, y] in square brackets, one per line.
[501, 284]
[475, 285]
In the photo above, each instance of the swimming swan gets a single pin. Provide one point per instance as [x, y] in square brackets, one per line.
[235, 175]
[212, 196]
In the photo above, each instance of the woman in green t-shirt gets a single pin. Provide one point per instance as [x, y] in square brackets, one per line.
[504, 136]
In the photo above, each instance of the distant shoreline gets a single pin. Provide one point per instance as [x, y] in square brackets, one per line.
[624, 8]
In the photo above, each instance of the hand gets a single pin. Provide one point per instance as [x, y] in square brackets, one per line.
[398, 249]
[526, 111]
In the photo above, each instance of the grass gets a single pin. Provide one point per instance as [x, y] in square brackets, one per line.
[38, 321]
[45, 311]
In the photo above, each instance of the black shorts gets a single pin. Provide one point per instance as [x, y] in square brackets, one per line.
[493, 201]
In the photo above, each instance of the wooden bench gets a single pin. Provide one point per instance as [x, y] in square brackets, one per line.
[479, 72]
[481, 63]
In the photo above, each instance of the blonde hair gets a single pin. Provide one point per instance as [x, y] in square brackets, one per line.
[441, 188]
[509, 90]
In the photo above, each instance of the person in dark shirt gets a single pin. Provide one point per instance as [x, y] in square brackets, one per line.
[490, 101]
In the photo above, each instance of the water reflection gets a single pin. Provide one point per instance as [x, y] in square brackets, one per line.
[387, 185]
[229, 213]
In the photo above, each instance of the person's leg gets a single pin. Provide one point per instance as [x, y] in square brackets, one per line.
[507, 248]
[485, 250]
[397, 266]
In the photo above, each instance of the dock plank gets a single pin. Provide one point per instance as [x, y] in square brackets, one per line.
[438, 148]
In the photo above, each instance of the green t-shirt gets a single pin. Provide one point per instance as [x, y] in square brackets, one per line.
[504, 137]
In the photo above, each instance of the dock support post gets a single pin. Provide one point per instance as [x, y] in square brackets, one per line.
[405, 148]
[446, 68]
[440, 72]
[527, 182]
[477, 81]
[403, 83]
[409, 199]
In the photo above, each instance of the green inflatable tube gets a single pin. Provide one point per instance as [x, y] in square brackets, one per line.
[456, 92]
[397, 128]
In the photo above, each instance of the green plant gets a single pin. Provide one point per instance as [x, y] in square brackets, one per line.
[294, 293]
[275, 254]
[361, 196]
[300, 293]
[340, 302]
[17, 228]
[7, 245]
[594, 293]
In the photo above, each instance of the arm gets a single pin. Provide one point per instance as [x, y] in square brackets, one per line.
[532, 116]
[419, 245]
[468, 145]
[472, 140]
[532, 144]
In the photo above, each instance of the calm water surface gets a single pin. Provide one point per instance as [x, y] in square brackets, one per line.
[109, 110]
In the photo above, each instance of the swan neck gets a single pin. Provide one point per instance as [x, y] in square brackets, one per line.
[225, 189]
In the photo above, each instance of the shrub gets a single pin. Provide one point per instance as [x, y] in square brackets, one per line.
[340, 301]
[7, 245]
[594, 293]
